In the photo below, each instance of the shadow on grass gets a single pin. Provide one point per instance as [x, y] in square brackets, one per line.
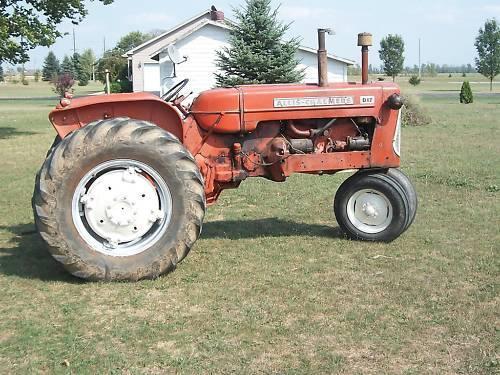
[269, 227]
[29, 258]
[8, 132]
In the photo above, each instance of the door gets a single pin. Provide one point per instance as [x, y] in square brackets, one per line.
[152, 77]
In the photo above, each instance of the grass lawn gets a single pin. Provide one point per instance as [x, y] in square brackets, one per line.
[9, 90]
[272, 286]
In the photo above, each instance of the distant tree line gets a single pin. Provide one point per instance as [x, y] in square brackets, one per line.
[81, 68]
[392, 49]
[429, 69]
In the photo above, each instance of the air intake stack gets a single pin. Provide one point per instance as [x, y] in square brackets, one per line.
[365, 40]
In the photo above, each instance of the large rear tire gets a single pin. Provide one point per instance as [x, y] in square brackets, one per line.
[119, 199]
[375, 205]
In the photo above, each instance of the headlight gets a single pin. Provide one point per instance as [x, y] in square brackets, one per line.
[396, 141]
[395, 101]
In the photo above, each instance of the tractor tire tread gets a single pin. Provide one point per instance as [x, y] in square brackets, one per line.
[356, 181]
[65, 155]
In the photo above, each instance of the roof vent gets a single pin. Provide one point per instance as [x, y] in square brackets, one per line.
[216, 15]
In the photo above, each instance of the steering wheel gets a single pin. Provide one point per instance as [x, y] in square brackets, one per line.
[172, 93]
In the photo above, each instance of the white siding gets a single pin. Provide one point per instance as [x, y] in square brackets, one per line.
[199, 48]
[142, 55]
[337, 70]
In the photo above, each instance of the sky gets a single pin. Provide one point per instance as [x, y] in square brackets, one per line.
[447, 28]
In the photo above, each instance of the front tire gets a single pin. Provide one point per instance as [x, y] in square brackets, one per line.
[375, 206]
[119, 199]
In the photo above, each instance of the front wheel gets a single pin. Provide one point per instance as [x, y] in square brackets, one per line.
[119, 199]
[374, 206]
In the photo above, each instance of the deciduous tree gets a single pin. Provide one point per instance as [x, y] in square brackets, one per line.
[26, 24]
[115, 63]
[258, 51]
[391, 53]
[488, 50]
[87, 61]
[130, 41]
[63, 83]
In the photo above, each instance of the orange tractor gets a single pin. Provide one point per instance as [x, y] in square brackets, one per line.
[123, 191]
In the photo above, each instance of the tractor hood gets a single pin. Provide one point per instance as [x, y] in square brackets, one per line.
[240, 109]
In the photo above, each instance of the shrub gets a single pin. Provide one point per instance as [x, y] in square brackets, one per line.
[466, 96]
[37, 75]
[413, 114]
[126, 85]
[414, 80]
[464, 74]
[450, 75]
[63, 84]
[120, 86]
[25, 82]
[115, 87]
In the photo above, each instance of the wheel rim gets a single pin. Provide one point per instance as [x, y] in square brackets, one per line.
[369, 211]
[121, 207]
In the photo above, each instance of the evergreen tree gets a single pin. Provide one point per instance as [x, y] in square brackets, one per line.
[1, 73]
[414, 80]
[258, 52]
[67, 66]
[391, 52]
[466, 93]
[50, 67]
[488, 50]
[77, 68]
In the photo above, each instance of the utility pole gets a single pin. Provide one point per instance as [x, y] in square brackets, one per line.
[23, 78]
[104, 50]
[74, 42]
[419, 59]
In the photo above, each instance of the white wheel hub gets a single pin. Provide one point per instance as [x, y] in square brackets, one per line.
[369, 211]
[121, 206]
[124, 210]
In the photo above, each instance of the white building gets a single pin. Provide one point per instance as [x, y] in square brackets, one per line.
[197, 40]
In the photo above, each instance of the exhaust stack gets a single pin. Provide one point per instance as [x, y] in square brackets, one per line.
[322, 57]
[365, 40]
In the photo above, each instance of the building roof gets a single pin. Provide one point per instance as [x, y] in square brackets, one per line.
[166, 33]
[201, 21]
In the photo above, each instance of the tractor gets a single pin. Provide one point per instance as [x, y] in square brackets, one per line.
[123, 191]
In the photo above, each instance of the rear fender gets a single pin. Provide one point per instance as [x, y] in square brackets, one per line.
[140, 106]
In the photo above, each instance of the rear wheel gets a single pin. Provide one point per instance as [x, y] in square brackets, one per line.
[374, 206]
[119, 199]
